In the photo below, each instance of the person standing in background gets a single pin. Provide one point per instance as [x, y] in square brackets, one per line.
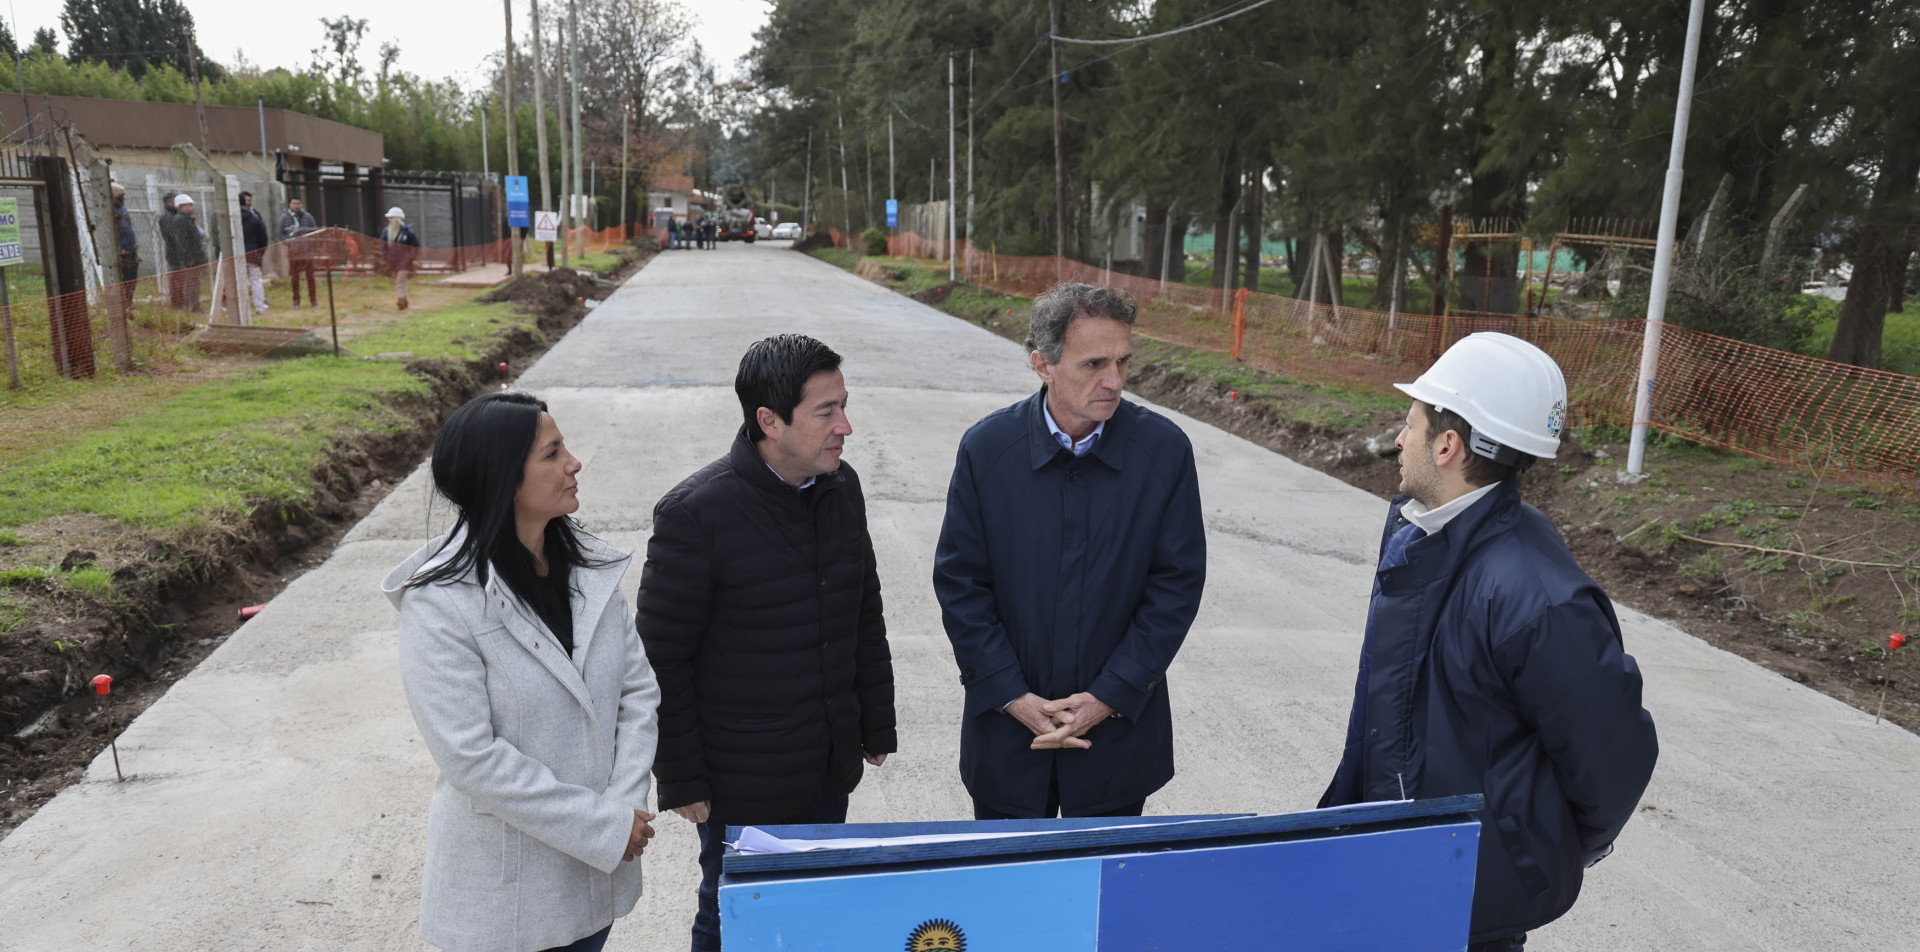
[186, 254]
[295, 225]
[253, 228]
[129, 246]
[402, 248]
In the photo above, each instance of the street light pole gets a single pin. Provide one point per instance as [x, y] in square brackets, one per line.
[573, 76]
[969, 268]
[1663, 250]
[540, 121]
[952, 224]
[513, 142]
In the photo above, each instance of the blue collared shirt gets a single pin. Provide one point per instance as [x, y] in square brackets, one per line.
[1067, 442]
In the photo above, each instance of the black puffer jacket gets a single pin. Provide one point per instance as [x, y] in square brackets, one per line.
[760, 610]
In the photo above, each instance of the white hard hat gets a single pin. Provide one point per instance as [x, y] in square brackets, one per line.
[1510, 391]
[182, 199]
[397, 212]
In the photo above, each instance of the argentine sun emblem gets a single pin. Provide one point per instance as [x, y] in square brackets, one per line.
[937, 935]
[1556, 418]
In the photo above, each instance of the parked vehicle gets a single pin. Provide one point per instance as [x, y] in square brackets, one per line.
[762, 228]
[786, 231]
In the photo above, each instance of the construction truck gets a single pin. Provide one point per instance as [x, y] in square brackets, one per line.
[737, 214]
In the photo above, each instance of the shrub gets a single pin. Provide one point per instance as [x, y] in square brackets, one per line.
[874, 241]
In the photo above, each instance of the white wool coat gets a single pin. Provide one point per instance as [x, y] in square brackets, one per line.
[543, 758]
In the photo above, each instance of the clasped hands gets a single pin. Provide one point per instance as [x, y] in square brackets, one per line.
[1061, 724]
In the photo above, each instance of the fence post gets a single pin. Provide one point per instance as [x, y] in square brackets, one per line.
[71, 330]
[1239, 320]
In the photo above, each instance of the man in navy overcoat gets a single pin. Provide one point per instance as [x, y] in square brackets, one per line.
[1069, 569]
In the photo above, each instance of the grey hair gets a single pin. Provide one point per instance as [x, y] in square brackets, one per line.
[1057, 308]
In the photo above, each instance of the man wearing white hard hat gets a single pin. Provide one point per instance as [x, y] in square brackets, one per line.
[186, 254]
[402, 247]
[1492, 664]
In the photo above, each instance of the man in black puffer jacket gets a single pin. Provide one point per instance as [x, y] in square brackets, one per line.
[760, 610]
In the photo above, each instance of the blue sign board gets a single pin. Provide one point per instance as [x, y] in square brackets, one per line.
[893, 213]
[517, 202]
[1306, 882]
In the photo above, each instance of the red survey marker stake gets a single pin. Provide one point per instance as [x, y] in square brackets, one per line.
[1895, 642]
[103, 686]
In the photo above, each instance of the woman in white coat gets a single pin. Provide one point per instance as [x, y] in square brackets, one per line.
[532, 692]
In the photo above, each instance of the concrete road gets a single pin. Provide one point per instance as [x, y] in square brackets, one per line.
[278, 797]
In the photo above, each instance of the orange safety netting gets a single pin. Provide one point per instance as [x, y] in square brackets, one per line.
[1829, 418]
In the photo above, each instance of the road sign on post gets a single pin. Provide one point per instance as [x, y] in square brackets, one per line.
[9, 255]
[893, 213]
[546, 226]
[517, 202]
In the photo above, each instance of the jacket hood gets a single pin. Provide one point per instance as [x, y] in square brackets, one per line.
[442, 548]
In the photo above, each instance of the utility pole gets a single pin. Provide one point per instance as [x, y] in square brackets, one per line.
[952, 225]
[540, 121]
[573, 77]
[485, 169]
[569, 134]
[1059, 146]
[806, 191]
[891, 192]
[1663, 249]
[626, 113]
[513, 142]
[969, 268]
[199, 104]
[846, 195]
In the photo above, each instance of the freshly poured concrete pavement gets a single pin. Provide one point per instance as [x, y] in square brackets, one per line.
[278, 794]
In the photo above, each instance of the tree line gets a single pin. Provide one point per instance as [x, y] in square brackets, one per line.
[1330, 124]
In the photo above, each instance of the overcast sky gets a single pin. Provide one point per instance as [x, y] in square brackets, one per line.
[438, 38]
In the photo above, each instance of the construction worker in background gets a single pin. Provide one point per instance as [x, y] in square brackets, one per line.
[402, 247]
[186, 254]
[1492, 664]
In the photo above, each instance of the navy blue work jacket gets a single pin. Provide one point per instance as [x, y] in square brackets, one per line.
[1058, 575]
[1494, 665]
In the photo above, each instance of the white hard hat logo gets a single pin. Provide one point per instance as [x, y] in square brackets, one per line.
[1556, 418]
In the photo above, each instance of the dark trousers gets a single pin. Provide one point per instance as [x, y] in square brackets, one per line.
[1512, 943]
[297, 266]
[981, 811]
[183, 287]
[129, 279]
[592, 943]
[831, 808]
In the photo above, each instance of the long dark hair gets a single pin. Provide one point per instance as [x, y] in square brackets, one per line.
[479, 459]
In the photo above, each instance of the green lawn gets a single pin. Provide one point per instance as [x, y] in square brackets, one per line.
[252, 436]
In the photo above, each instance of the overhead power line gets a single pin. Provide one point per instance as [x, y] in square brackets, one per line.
[1172, 32]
